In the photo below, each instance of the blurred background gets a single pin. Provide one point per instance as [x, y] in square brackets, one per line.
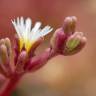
[61, 76]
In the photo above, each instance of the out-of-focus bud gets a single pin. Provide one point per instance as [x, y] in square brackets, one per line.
[22, 59]
[4, 60]
[6, 56]
[16, 48]
[69, 25]
[10, 54]
[58, 40]
[16, 43]
[3, 54]
[8, 46]
[2, 41]
[75, 43]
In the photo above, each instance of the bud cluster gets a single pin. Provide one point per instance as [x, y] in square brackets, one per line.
[66, 40]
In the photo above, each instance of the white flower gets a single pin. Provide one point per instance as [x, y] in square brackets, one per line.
[28, 35]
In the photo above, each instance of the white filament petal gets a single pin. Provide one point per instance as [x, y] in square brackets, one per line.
[36, 27]
[18, 21]
[46, 30]
[16, 28]
[27, 30]
[28, 24]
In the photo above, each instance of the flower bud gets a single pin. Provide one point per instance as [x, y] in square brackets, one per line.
[72, 42]
[3, 54]
[8, 46]
[4, 61]
[16, 48]
[6, 56]
[69, 25]
[2, 41]
[58, 40]
[75, 43]
[10, 53]
[22, 59]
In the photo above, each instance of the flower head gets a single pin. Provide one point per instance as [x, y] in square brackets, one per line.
[28, 35]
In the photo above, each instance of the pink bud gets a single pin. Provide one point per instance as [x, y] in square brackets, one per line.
[58, 40]
[4, 60]
[21, 61]
[75, 43]
[16, 48]
[69, 25]
[3, 54]
[10, 54]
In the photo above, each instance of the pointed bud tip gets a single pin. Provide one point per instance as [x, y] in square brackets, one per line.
[2, 41]
[70, 19]
[69, 24]
[3, 48]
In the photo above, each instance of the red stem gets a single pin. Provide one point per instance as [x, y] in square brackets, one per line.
[10, 85]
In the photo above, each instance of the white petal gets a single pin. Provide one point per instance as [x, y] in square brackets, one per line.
[28, 24]
[22, 21]
[46, 30]
[27, 29]
[35, 31]
[22, 25]
[16, 28]
[36, 27]
[35, 36]
[18, 21]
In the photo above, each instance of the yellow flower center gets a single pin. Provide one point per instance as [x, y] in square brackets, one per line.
[26, 43]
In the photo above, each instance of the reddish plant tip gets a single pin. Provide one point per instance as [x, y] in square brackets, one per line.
[66, 40]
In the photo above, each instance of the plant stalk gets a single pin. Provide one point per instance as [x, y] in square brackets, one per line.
[9, 86]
